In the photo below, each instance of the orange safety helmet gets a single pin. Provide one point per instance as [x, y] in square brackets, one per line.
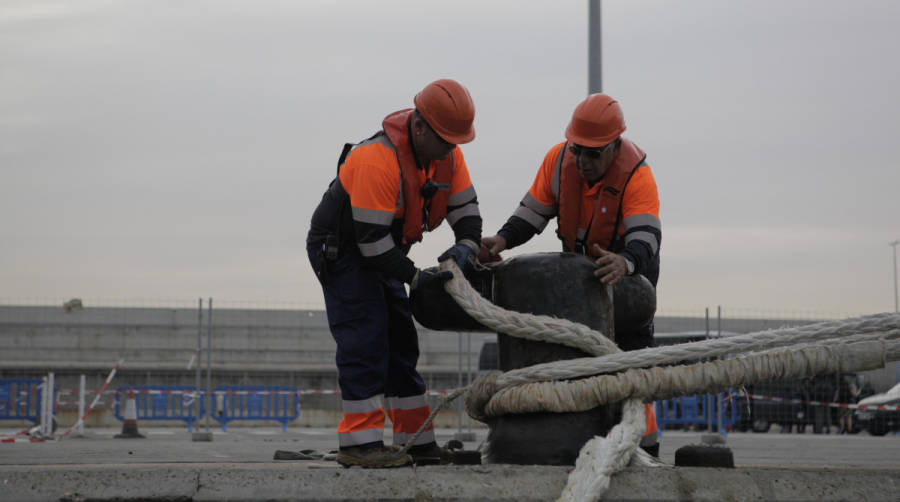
[597, 121]
[448, 109]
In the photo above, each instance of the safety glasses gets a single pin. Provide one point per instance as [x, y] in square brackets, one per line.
[590, 153]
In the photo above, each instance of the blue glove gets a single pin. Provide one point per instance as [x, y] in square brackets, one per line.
[463, 253]
[424, 278]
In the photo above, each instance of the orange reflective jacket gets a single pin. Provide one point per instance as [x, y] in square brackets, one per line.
[620, 211]
[396, 127]
[606, 214]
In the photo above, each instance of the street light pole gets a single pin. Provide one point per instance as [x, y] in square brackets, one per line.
[894, 245]
[595, 54]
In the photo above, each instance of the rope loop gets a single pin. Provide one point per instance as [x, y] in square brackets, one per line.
[480, 393]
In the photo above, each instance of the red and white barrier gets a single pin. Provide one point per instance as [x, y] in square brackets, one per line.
[96, 399]
[851, 406]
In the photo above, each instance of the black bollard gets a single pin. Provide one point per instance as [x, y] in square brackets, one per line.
[556, 284]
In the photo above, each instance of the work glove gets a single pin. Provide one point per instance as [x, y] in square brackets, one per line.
[424, 278]
[463, 253]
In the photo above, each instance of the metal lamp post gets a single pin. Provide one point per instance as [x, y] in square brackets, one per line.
[894, 245]
[595, 54]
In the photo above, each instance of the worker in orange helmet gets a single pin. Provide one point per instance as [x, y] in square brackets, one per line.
[404, 180]
[599, 187]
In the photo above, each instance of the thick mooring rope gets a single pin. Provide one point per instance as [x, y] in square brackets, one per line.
[879, 326]
[664, 382]
[850, 345]
[600, 457]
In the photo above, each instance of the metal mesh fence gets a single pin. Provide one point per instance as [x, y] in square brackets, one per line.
[277, 343]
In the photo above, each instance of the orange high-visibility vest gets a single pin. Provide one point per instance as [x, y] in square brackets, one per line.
[605, 220]
[396, 127]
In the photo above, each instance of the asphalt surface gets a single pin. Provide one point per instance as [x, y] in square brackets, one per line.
[239, 465]
[253, 445]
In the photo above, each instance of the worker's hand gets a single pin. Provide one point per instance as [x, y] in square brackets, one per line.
[494, 244]
[463, 253]
[424, 278]
[611, 267]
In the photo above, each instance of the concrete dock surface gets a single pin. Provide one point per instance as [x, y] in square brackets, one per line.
[239, 465]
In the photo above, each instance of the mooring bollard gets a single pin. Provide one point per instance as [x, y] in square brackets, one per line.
[560, 285]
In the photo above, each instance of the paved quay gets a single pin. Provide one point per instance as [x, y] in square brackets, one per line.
[239, 465]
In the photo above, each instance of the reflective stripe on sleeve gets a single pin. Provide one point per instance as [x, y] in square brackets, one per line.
[372, 216]
[460, 198]
[534, 219]
[645, 237]
[641, 220]
[383, 245]
[458, 214]
[535, 205]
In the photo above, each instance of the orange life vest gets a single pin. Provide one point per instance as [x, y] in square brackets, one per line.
[607, 206]
[396, 127]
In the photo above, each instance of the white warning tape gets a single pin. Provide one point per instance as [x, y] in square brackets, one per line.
[62, 394]
[24, 439]
[337, 391]
[824, 403]
[190, 394]
[15, 437]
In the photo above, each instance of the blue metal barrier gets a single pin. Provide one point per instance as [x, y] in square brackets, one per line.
[161, 402]
[695, 410]
[256, 402]
[20, 399]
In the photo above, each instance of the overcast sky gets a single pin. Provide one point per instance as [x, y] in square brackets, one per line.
[163, 149]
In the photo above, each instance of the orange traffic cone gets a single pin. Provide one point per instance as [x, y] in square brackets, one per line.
[129, 425]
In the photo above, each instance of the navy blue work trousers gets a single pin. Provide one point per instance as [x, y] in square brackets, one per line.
[370, 319]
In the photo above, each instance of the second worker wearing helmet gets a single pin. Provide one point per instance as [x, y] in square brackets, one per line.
[599, 186]
[601, 190]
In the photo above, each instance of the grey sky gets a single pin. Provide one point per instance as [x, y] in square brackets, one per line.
[156, 149]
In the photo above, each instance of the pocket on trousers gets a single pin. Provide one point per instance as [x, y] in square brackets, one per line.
[352, 293]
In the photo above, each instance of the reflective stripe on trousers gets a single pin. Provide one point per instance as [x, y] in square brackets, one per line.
[377, 350]
[407, 414]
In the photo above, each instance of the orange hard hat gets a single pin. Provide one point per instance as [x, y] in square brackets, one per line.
[448, 108]
[597, 121]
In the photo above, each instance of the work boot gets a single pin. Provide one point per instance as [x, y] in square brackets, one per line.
[431, 454]
[652, 449]
[376, 457]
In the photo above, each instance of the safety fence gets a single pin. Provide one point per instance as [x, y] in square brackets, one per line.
[773, 403]
[281, 404]
[231, 403]
[20, 399]
[744, 411]
[161, 402]
[717, 412]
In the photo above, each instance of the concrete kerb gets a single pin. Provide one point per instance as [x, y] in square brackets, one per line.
[322, 481]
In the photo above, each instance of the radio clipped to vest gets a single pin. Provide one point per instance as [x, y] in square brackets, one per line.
[331, 247]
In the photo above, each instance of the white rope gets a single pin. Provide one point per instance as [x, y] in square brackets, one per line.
[529, 326]
[888, 326]
[601, 457]
[848, 345]
[649, 384]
